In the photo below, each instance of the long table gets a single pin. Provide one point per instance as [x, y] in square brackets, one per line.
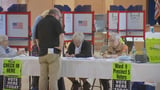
[91, 68]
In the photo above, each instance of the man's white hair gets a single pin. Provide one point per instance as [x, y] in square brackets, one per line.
[2, 37]
[78, 36]
[55, 11]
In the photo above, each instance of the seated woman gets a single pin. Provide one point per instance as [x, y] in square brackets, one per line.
[6, 51]
[115, 48]
[79, 48]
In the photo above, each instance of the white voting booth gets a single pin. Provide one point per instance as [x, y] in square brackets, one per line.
[17, 27]
[78, 22]
[127, 23]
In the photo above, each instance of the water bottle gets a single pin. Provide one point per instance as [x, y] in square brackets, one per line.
[133, 53]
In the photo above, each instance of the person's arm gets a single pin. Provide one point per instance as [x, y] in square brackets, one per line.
[12, 53]
[60, 32]
[61, 40]
[125, 50]
[70, 50]
[38, 18]
[108, 53]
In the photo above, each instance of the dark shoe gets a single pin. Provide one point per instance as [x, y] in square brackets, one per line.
[76, 85]
[86, 86]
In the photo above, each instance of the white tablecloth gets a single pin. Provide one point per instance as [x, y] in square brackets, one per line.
[92, 68]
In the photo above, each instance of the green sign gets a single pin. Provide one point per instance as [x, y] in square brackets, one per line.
[12, 67]
[121, 71]
[153, 50]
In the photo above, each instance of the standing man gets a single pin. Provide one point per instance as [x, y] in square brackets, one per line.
[50, 37]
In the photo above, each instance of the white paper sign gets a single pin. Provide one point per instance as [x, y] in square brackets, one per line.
[135, 21]
[122, 21]
[68, 23]
[113, 21]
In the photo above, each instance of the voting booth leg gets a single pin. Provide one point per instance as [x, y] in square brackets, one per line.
[1, 82]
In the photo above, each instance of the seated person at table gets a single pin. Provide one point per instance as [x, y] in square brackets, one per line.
[79, 48]
[115, 49]
[6, 51]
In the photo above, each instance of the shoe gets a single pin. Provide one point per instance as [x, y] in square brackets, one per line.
[76, 85]
[86, 86]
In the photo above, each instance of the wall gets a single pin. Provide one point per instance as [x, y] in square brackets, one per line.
[7, 3]
[98, 6]
[70, 3]
[126, 3]
[37, 7]
[22, 1]
[156, 28]
[107, 4]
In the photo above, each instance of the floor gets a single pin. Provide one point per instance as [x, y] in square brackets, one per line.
[25, 83]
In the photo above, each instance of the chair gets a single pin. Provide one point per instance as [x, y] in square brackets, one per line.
[93, 84]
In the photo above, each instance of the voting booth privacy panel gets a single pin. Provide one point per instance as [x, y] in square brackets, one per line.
[78, 22]
[16, 25]
[127, 23]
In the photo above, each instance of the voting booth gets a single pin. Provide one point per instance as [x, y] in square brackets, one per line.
[78, 22]
[130, 25]
[127, 23]
[16, 25]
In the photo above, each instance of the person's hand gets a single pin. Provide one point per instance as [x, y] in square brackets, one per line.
[114, 56]
[110, 56]
[72, 55]
[107, 56]
[20, 52]
[67, 55]
[59, 48]
[34, 41]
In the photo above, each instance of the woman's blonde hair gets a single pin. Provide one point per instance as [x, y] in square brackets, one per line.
[78, 36]
[45, 13]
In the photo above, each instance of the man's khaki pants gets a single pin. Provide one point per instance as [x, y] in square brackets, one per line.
[49, 66]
